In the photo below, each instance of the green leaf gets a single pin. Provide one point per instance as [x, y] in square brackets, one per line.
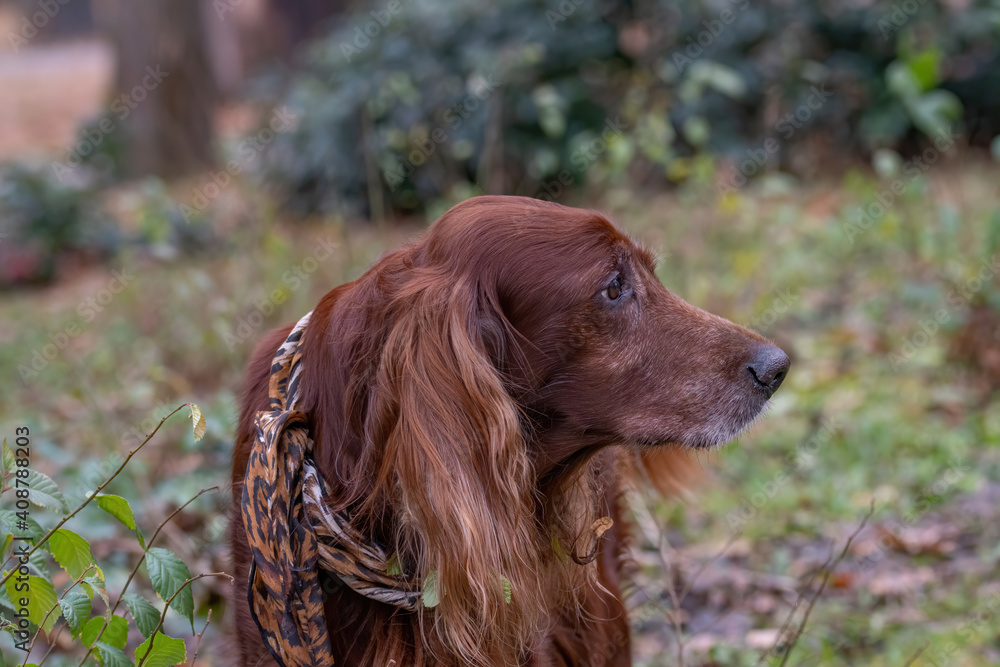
[90, 629]
[39, 562]
[115, 635]
[96, 585]
[9, 524]
[506, 589]
[44, 492]
[8, 460]
[40, 596]
[696, 130]
[168, 573]
[71, 551]
[5, 603]
[558, 549]
[392, 568]
[726, 80]
[117, 507]
[430, 596]
[76, 609]
[934, 113]
[197, 422]
[901, 81]
[167, 652]
[112, 656]
[117, 632]
[926, 68]
[146, 616]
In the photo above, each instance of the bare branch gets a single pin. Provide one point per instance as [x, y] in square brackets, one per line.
[822, 587]
[163, 616]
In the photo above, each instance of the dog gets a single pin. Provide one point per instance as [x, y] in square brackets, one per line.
[476, 400]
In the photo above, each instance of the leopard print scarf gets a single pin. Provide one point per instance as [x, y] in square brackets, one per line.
[293, 535]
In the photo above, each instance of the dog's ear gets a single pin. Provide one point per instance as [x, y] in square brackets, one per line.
[454, 466]
[673, 472]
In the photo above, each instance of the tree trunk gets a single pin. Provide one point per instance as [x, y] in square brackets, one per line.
[165, 92]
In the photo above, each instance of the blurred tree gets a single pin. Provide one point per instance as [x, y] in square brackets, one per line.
[165, 90]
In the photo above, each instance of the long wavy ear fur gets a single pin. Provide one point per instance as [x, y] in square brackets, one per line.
[454, 467]
[674, 473]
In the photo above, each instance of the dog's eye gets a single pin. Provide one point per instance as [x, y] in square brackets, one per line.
[614, 290]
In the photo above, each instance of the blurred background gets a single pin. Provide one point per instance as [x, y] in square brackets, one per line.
[176, 178]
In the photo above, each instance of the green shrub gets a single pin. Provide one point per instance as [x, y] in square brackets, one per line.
[407, 112]
[43, 221]
[52, 579]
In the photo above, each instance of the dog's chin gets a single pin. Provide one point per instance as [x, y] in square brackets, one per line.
[712, 435]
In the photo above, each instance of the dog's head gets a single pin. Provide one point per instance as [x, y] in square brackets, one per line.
[588, 339]
[494, 356]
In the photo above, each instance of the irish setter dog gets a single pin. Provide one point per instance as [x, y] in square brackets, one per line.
[475, 399]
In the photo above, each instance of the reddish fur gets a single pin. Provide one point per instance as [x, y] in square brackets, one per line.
[465, 397]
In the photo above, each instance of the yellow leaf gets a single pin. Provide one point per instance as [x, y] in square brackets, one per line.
[601, 526]
[197, 422]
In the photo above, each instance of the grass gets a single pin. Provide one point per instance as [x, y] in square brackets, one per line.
[859, 418]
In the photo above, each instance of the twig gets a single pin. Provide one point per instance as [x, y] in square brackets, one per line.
[201, 634]
[916, 655]
[94, 494]
[135, 570]
[52, 646]
[675, 617]
[707, 564]
[822, 587]
[49, 613]
[783, 630]
[176, 512]
[163, 616]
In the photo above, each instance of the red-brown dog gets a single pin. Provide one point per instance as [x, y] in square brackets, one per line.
[471, 397]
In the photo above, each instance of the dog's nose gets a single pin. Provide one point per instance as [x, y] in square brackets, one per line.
[769, 368]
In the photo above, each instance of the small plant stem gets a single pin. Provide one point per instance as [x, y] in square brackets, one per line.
[94, 494]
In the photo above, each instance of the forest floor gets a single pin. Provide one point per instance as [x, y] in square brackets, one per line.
[881, 405]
